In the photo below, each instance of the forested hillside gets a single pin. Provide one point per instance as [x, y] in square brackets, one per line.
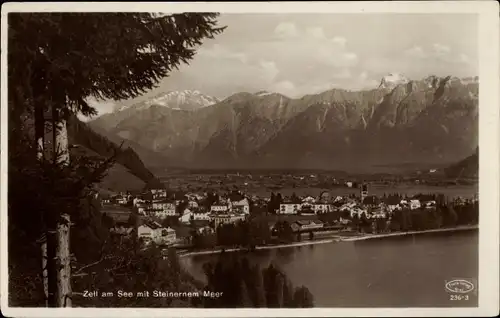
[129, 169]
[466, 168]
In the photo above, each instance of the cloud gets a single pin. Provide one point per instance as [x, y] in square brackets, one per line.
[344, 73]
[365, 81]
[340, 41]
[415, 52]
[316, 32]
[436, 52]
[285, 87]
[440, 49]
[219, 52]
[269, 70]
[293, 61]
[437, 56]
[286, 30]
[464, 58]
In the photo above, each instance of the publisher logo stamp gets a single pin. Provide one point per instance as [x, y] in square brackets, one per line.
[459, 286]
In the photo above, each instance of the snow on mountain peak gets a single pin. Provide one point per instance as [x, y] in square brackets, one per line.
[178, 100]
[391, 80]
[263, 93]
[175, 99]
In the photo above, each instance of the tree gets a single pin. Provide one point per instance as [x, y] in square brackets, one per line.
[271, 206]
[279, 198]
[244, 300]
[260, 297]
[451, 219]
[303, 298]
[105, 55]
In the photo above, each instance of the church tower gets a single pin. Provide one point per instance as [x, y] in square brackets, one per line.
[363, 191]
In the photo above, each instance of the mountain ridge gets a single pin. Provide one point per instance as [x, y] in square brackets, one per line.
[432, 119]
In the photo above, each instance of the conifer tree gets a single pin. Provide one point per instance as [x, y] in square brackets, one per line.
[58, 60]
[260, 293]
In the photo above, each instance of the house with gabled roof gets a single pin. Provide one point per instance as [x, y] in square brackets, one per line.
[151, 231]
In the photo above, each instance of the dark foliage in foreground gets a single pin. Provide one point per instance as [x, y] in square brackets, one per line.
[245, 285]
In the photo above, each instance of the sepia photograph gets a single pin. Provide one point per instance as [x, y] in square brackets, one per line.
[200, 157]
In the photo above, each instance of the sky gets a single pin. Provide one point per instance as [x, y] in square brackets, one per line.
[299, 54]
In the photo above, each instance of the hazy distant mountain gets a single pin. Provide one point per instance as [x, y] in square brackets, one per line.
[434, 120]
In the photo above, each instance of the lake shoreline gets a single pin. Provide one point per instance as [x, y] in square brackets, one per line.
[335, 238]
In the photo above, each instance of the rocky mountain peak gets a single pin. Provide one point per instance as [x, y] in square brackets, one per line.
[392, 80]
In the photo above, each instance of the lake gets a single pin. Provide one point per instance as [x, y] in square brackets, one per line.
[390, 272]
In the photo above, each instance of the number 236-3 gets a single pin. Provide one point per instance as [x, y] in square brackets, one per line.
[459, 297]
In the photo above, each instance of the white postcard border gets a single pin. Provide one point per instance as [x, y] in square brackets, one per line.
[489, 133]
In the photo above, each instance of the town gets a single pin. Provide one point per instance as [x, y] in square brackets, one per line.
[188, 220]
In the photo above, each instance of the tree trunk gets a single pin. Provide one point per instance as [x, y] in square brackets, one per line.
[64, 270]
[56, 268]
[63, 275]
[36, 82]
[43, 245]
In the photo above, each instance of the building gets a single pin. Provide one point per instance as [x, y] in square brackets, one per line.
[241, 206]
[194, 215]
[415, 204]
[290, 208]
[219, 208]
[138, 202]
[392, 202]
[363, 191]
[192, 204]
[122, 229]
[162, 213]
[325, 197]
[226, 218]
[186, 216]
[159, 192]
[163, 205]
[154, 232]
[309, 200]
[149, 232]
[377, 212]
[355, 210]
[205, 230]
[371, 201]
[322, 208]
[141, 210]
[168, 236]
[304, 225]
[430, 204]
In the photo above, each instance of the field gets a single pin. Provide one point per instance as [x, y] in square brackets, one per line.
[303, 185]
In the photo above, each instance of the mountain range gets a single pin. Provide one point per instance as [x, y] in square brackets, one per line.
[432, 120]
